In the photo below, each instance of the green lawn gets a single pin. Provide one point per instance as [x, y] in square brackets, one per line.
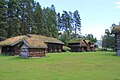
[59, 66]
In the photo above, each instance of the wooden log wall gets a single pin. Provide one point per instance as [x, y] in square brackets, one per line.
[37, 52]
[117, 44]
[118, 41]
[17, 50]
[54, 47]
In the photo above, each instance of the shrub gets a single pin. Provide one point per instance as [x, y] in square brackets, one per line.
[65, 48]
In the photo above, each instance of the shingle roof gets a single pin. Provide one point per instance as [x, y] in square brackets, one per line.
[32, 40]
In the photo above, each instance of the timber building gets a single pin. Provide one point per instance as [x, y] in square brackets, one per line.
[116, 31]
[31, 45]
[81, 45]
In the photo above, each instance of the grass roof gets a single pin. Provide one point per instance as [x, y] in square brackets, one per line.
[116, 29]
[35, 42]
[78, 40]
[12, 40]
[32, 40]
[75, 40]
[50, 40]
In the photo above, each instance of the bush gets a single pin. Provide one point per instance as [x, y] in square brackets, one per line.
[103, 49]
[65, 49]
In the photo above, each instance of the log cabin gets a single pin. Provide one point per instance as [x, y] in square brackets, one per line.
[81, 46]
[116, 31]
[1, 39]
[31, 45]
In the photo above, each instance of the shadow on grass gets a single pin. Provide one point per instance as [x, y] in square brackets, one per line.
[110, 53]
[12, 58]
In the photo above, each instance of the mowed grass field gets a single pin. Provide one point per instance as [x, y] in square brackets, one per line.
[62, 66]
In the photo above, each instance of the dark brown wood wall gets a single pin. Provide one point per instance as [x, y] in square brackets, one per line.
[17, 50]
[52, 47]
[37, 52]
[117, 37]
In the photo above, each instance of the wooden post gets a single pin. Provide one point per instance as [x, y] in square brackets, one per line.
[0, 50]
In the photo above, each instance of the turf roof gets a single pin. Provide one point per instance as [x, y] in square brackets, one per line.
[34, 41]
[116, 29]
[78, 40]
[75, 40]
[12, 40]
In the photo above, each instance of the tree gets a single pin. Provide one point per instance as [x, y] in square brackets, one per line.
[28, 7]
[3, 22]
[13, 11]
[28, 15]
[108, 40]
[50, 21]
[77, 23]
[90, 37]
[38, 21]
[69, 24]
[53, 22]
[64, 38]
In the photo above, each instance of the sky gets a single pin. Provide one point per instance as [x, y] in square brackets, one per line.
[96, 15]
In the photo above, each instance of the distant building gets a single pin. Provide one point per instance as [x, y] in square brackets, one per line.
[81, 45]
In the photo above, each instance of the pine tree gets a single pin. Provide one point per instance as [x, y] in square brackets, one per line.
[38, 23]
[53, 22]
[77, 23]
[13, 11]
[3, 22]
[28, 7]
[50, 21]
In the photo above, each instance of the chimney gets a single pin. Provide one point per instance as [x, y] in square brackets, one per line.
[28, 35]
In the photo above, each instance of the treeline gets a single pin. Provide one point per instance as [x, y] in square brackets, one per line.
[20, 17]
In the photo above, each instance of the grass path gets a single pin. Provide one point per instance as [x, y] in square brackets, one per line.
[62, 66]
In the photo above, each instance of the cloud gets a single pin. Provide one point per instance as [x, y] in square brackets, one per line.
[118, 7]
[117, 4]
[94, 30]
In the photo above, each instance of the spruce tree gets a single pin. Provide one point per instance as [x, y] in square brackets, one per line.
[38, 21]
[3, 22]
[13, 21]
[77, 23]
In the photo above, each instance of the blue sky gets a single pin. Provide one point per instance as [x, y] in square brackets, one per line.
[96, 15]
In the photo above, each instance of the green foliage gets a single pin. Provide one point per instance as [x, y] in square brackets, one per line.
[3, 20]
[64, 38]
[90, 37]
[108, 40]
[65, 48]
[68, 25]
[21, 17]
[75, 40]
[66, 66]
[38, 24]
